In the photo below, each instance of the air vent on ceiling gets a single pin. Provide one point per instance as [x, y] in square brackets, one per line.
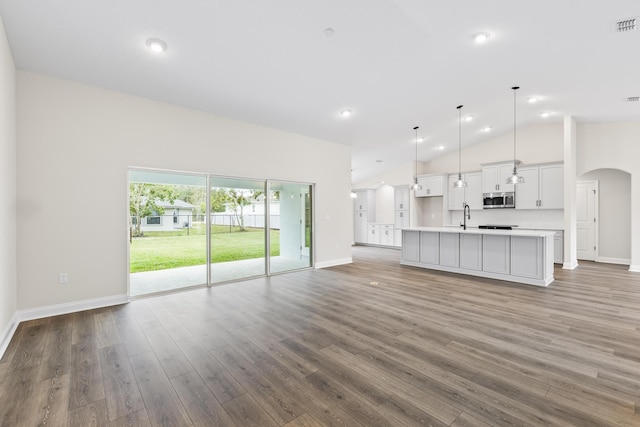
[627, 25]
[633, 99]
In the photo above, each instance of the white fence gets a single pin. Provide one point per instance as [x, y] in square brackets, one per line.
[250, 220]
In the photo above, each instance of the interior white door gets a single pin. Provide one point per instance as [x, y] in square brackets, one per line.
[586, 220]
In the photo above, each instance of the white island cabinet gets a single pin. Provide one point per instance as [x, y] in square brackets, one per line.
[523, 256]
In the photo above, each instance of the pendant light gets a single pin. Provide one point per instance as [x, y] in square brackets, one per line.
[515, 178]
[415, 185]
[459, 183]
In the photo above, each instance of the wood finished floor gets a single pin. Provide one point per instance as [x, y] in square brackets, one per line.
[372, 344]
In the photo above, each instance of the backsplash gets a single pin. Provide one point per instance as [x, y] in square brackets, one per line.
[553, 219]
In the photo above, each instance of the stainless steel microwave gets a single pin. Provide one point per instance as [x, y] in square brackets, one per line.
[499, 200]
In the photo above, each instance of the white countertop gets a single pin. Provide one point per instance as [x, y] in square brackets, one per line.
[527, 233]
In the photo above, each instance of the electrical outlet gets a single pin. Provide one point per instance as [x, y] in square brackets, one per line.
[64, 278]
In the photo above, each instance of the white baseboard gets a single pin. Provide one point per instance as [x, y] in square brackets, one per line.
[55, 310]
[7, 334]
[333, 263]
[71, 307]
[634, 268]
[613, 260]
[570, 265]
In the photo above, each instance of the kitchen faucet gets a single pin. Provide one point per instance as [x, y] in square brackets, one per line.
[466, 214]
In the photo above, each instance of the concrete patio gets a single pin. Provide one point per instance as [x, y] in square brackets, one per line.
[150, 282]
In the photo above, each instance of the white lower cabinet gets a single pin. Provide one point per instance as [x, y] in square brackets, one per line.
[450, 249]
[380, 234]
[558, 247]
[524, 250]
[471, 251]
[386, 234]
[373, 234]
[360, 227]
[411, 246]
[517, 256]
[429, 247]
[496, 254]
[401, 221]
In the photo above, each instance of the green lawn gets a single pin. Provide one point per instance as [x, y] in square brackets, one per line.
[160, 250]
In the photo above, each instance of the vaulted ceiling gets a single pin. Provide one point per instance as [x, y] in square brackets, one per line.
[395, 64]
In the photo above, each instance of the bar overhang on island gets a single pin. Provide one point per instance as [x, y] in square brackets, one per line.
[522, 256]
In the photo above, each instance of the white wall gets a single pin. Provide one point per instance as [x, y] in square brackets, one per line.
[401, 175]
[385, 213]
[614, 238]
[429, 211]
[540, 143]
[8, 281]
[614, 145]
[75, 143]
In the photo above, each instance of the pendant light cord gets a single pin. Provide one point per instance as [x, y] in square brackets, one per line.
[515, 88]
[416, 175]
[459, 107]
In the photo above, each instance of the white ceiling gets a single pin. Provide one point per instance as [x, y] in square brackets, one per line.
[395, 63]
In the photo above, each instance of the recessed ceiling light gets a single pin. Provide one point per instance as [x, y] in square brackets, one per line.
[545, 114]
[439, 147]
[487, 129]
[346, 113]
[468, 118]
[328, 32]
[533, 99]
[421, 139]
[480, 38]
[156, 45]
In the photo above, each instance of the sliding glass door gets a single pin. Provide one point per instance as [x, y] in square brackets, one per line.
[290, 216]
[167, 236]
[237, 225]
[197, 229]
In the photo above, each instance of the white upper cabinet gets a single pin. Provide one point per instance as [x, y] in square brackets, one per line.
[366, 201]
[527, 192]
[494, 178]
[401, 198]
[471, 194]
[456, 195]
[543, 187]
[551, 189]
[430, 186]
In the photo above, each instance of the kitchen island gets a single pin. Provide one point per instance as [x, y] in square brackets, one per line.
[523, 256]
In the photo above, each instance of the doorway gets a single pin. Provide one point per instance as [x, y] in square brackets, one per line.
[612, 213]
[587, 220]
